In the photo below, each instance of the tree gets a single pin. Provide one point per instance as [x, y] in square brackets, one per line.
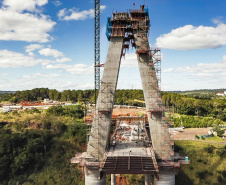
[217, 129]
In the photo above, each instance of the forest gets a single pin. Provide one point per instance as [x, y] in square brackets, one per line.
[188, 103]
[36, 146]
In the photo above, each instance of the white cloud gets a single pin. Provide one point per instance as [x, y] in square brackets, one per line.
[40, 75]
[51, 81]
[10, 59]
[75, 14]
[26, 83]
[18, 22]
[31, 54]
[130, 60]
[21, 5]
[218, 20]
[24, 26]
[190, 37]
[224, 57]
[56, 66]
[81, 69]
[4, 74]
[57, 3]
[85, 86]
[33, 47]
[64, 59]
[201, 70]
[51, 52]
[73, 69]
[168, 70]
[103, 7]
[217, 67]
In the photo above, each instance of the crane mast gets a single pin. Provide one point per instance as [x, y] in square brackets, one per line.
[97, 47]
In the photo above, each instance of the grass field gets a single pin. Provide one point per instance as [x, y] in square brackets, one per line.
[214, 139]
[207, 166]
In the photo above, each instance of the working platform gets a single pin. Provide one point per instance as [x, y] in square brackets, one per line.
[130, 151]
[129, 165]
[130, 140]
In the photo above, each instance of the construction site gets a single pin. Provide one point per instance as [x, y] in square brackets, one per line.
[136, 140]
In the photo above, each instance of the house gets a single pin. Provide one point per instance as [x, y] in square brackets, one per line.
[220, 94]
[48, 100]
[11, 107]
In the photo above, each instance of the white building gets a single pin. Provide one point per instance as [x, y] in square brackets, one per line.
[221, 93]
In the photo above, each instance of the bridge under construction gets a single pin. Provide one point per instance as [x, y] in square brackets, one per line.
[139, 147]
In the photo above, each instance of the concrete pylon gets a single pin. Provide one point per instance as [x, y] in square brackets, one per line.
[128, 29]
[113, 179]
[152, 96]
[102, 119]
[92, 177]
[147, 179]
[165, 178]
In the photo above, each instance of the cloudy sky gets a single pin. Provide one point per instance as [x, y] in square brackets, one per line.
[50, 43]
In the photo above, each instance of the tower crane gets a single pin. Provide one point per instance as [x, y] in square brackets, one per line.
[97, 47]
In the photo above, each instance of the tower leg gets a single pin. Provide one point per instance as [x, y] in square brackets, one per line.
[147, 179]
[100, 129]
[113, 179]
[92, 177]
[165, 178]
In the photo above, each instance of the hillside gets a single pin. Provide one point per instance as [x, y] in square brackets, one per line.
[208, 163]
[36, 148]
[199, 91]
[3, 92]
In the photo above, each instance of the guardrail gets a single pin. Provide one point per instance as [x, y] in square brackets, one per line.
[154, 159]
[127, 154]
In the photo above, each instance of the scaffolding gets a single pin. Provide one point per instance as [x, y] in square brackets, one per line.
[123, 30]
[155, 55]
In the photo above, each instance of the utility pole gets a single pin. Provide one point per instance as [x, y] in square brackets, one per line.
[97, 47]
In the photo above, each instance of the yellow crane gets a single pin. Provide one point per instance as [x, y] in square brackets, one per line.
[141, 101]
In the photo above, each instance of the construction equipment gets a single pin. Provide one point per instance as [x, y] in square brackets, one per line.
[97, 47]
[141, 101]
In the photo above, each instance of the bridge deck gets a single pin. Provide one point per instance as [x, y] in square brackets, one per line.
[130, 152]
[129, 165]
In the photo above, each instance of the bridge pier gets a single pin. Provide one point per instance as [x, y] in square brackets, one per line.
[165, 178]
[92, 177]
[113, 179]
[147, 179]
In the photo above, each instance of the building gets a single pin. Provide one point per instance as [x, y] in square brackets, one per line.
[221, 93]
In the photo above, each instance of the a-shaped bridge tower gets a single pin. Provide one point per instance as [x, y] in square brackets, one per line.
[125, 29]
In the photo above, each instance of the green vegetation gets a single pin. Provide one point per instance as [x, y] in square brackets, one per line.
[207, 163]
[217, 129]
[195, 106]
[215, 139]
[38, 94]
[36, 147]
[196, 121]
[72, 111]
[194, 103]
[202, 93]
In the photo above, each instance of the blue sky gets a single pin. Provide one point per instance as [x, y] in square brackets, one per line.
[50, 43]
